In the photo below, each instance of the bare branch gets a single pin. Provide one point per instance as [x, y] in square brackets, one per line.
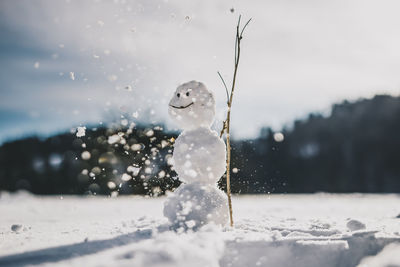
[223, 129]
[226, 123]
[226, 88]
[247, 23]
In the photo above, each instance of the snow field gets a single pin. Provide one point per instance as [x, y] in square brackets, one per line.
[275, 230]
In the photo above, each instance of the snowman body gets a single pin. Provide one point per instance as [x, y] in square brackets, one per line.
[199, 160]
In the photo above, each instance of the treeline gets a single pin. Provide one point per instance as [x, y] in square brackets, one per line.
[354, 149]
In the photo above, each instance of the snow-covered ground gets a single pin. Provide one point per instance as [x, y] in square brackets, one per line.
[276, 230]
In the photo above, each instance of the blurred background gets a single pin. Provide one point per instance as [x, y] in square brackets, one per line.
[84, 87]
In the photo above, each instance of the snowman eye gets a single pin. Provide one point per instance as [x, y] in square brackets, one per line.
[187, 94]
[178, 94]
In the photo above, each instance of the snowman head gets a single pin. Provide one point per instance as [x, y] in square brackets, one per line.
[192, 106]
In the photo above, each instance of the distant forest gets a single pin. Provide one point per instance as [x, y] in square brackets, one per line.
[354, 149]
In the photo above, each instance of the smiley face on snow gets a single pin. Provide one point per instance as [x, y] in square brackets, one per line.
[192, 106]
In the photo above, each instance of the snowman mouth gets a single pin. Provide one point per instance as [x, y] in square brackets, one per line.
[182, 107]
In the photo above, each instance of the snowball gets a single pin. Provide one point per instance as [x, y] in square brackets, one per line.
[193, 205]
[199, 155]
[80, 131]
[192, 105]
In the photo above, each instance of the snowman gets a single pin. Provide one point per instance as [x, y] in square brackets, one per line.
[199, 160]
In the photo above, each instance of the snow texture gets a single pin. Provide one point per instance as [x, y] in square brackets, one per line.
[199, 160]
[354, 225]
[273, 231]
[194, 205]
[199, 156]
[389, 257]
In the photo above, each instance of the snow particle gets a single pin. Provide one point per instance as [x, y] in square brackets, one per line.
[279, 137]
[85, 155]
[113, 139]
[137, 147]
[135, 114]
[80, 131]
[72, 75]
[161, 174]
[164, 143]
[36, 65]
[111, 185]
[126, 177]
[235, 170]
[134, 170]
[149, 133]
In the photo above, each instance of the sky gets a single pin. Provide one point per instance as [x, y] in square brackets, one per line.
[71, 63]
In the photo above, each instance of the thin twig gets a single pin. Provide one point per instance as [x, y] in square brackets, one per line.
[226, 123]
[247, 23]
[226, 88]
